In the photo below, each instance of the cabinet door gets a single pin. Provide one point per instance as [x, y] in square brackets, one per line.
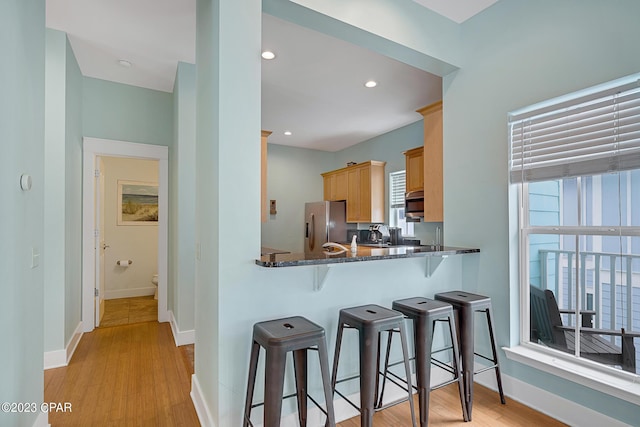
[353, 196]
[341, 186]
[433, 184]
[415, 170]
[328, 187]
[263, 175]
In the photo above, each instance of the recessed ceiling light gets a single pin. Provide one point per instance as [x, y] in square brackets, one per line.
[124, 63]
[371, 83]
[287, 132]
[267, 54]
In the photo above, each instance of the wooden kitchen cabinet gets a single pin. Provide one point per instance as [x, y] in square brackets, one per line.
[362, 186]
[432, 156]
[414, 169]
[263, 176]
[335, 185]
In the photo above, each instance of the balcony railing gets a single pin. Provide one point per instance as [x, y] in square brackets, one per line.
[609, 284]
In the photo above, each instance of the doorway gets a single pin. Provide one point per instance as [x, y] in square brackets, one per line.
[94, 150]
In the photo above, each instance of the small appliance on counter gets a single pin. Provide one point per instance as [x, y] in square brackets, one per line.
[378, 233]
[324, 222]
[395, 236]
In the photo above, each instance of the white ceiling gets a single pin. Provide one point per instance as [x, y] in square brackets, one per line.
[314, 87]
[456, 10]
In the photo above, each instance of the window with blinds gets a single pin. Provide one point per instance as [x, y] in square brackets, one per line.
[397, 187]
[594, 132]
[397, 182]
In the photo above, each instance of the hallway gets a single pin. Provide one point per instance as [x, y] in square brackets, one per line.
[130, 375]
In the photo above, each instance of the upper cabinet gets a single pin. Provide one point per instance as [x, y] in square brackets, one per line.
[362, 186]
[335, 185]
[433, 201]
[263, 176]
[414, 169]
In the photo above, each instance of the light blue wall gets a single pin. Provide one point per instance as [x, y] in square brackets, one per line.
[54, 190]
[63, 192]
[126, 113]
[73, 195]
[232, 293]
[392, 28]
[293, 178]
[517, 53]
[283, 231]
[182, 199]
[389, 148]
[22, 76]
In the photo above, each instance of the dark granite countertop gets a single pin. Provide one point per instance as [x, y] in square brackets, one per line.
[364, 253]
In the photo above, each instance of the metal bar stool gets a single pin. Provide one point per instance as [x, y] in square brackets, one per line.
[278, 337]
[466, 305]
[370, 321]
[424, 313]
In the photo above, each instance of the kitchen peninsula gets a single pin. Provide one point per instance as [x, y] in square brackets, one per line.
[364, 253]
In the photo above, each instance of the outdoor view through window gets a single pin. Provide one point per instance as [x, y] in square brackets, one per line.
[576, 163]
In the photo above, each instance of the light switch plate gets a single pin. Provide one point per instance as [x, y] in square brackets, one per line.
[35, 257]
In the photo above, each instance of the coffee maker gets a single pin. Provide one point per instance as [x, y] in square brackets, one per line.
[378, 233]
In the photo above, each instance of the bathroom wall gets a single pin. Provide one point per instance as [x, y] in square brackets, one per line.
[138, 243]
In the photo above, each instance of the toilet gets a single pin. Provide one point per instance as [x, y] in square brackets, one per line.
[154, 280]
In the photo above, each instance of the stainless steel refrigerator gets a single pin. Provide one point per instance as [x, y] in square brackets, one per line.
[324, 222]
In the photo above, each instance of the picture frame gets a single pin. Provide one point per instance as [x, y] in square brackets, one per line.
[137, 203]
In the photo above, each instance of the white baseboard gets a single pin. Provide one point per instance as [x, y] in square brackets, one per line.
[556, 407]
[181, 337]
[42, 420]
[542, 401]
[202, 410]
[55, 359]
[59, 358]
[129, 293]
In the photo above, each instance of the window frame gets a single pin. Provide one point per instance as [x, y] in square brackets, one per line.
[606, 379]
[583, 371]
[408, 229]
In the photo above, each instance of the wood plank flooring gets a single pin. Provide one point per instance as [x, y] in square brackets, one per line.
[134, 375]
[123, 311]
[131, 375]
[445, 410]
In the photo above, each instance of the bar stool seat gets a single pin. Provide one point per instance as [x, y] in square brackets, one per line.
[278, 337]
[466, 304]
[370, 321]
[424, 313]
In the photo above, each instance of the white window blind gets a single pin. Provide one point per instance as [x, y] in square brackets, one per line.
[397, 183]
[581, 135]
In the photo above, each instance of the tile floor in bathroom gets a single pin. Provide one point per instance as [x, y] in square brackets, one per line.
[124, 311]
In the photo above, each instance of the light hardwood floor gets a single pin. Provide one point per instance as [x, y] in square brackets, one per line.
[131, 375]
[123, 311]
[134, 375]
[445, 410]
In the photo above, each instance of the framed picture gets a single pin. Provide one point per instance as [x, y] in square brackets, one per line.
[137, 203]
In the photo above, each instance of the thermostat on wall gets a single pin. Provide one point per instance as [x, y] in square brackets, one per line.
[25, 182]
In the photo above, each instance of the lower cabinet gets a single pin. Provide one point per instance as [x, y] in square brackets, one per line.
[362, 186]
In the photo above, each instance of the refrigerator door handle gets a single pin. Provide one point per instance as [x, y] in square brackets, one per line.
[312, 236]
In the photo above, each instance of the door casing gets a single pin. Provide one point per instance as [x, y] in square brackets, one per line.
[92, 149]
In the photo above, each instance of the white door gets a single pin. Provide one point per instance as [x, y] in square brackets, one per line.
[101, 246]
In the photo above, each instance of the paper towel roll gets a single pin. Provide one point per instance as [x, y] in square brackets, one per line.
[124, 263]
